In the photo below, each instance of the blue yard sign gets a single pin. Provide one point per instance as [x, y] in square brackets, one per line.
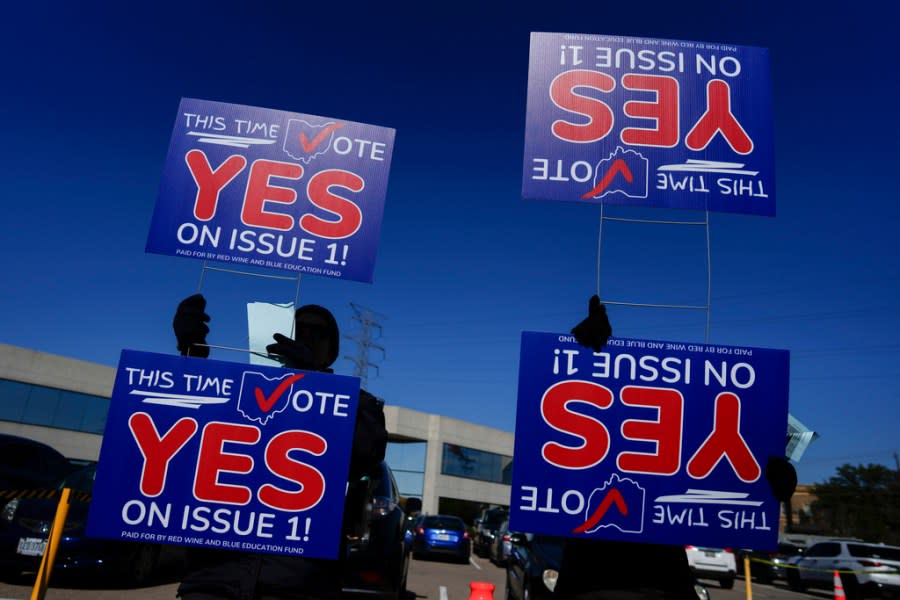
[224, 455]
[648, 441]
[649, 122]
[255, 186]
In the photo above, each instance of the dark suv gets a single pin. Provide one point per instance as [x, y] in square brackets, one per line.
[377, 560]
[28, 464]
[486, 527]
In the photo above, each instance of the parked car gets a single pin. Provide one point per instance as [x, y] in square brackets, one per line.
[412, 507]
[27, 464]
[762, 566]
[866, 570]
[25, 524]
[713, 563]
[377, 562]
[533, 566]
[486, 529]
[767, 566]
[783, 556]
[501, 546]
[441, 535]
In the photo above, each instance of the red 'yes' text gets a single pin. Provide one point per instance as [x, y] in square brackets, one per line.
[159, 450]
[664, 112]
[260, 191]
[725, 440]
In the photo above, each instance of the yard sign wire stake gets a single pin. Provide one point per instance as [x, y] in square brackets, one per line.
[705, 222]
[204, 268]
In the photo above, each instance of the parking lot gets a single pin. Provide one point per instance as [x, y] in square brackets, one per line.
[428, 580]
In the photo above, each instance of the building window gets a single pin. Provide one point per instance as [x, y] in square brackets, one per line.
[407, 461]
[460, 461]
[50, 407]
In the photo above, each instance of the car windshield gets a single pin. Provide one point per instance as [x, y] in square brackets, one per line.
[443, 523]
[493, 520]
[872, 551]
[383, 483]
[789, 549]
[81, 480]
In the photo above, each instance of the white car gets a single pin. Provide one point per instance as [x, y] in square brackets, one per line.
[870, 569]
[712, 563]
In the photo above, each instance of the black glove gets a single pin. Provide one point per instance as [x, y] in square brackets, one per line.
[294, 354]
[190, 326]
[595, 329]
[782, 477]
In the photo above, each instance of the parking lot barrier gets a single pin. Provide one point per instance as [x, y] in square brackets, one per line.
[838, 587]
[56, 531]
[748, 587]
[481, 590]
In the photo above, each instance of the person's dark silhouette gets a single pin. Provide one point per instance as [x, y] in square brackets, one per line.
[613, 570]
[220, 574]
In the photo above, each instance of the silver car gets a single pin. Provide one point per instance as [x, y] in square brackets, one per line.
[501, 546]
[870, 569]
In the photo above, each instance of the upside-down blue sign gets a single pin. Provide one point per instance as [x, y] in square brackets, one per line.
[274, 189]
[649, 122]
[648, 441]
[224, 455]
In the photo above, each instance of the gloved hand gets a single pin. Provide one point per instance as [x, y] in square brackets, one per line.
[190, 326]
[782, 477]
[595, 329]
[294, 354]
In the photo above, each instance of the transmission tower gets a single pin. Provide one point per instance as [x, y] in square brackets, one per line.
[365, 340]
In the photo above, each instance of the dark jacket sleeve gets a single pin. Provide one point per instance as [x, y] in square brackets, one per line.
[370, 438]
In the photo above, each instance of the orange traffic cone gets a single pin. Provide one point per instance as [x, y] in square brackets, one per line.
[838, 587]
[481, 590]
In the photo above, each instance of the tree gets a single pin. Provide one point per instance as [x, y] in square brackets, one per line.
[861, 501]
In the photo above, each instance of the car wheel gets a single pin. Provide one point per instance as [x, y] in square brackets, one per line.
[727, 583]
[794, 582]
[13, 576]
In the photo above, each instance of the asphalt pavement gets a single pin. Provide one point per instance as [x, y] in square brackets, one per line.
[428, 580]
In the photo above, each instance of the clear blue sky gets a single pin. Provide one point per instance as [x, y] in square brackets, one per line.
[90, 94]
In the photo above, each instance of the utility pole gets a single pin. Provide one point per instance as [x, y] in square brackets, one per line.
[365, 340]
